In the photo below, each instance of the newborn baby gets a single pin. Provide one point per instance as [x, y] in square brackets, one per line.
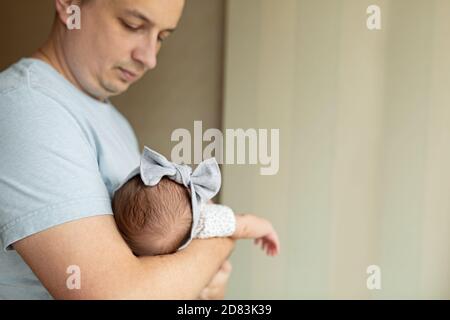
[162, 206]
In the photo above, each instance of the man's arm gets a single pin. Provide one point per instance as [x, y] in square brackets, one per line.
[109, 270]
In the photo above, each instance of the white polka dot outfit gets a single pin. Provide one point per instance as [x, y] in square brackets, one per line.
[215, 221]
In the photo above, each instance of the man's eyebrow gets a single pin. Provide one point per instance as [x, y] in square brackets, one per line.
[139, 15]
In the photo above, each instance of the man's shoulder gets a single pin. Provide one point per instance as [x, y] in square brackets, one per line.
[24, 94]
[31, 81]
[14, 77]
[16, 85]
[22, 103]
[27, 111]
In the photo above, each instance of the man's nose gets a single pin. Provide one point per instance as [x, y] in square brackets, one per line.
[147, 53]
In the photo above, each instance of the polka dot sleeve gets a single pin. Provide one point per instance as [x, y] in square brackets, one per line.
[215, 221]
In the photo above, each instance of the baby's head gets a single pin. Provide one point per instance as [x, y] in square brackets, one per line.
[153, 220]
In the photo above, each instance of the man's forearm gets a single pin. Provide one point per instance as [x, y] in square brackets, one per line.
[109, 270]
[181, 275]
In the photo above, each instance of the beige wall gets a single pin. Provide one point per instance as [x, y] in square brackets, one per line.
[24, 27]
[186, 85]
[364, 123]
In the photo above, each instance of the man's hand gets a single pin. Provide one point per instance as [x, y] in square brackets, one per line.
[217, 287]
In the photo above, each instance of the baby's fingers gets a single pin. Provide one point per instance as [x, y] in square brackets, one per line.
[268, 244]
[274, 246]
[270, 249]
[273, 238]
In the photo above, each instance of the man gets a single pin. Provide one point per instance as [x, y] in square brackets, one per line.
[65, 149]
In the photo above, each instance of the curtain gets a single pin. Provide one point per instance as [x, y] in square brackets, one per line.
[364, 120]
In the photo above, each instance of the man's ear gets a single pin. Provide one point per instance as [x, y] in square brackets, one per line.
[62, 7]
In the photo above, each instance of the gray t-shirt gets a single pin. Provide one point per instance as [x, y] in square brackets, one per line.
[62, 155]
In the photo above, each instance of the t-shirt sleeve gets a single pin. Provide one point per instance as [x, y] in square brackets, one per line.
[49, 173]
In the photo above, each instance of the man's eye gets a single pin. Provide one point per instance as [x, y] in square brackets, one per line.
[163, 37]
[130, 27]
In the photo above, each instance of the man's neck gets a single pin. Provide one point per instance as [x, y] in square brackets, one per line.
[52, 53]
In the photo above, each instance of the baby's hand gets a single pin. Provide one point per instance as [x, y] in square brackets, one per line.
[260, 229]
[269, 243]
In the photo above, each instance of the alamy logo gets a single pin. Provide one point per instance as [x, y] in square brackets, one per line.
[231, 149]
[374, 20]
[73, 282]
[74, 20]
[374, 280]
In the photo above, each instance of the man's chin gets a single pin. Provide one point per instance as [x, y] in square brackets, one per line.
[116, 89]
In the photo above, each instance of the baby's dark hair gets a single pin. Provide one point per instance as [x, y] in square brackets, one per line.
[153, 220]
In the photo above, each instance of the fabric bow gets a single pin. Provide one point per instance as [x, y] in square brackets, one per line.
[204, 182]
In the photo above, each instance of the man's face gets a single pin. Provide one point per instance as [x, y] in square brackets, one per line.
[118, 42]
